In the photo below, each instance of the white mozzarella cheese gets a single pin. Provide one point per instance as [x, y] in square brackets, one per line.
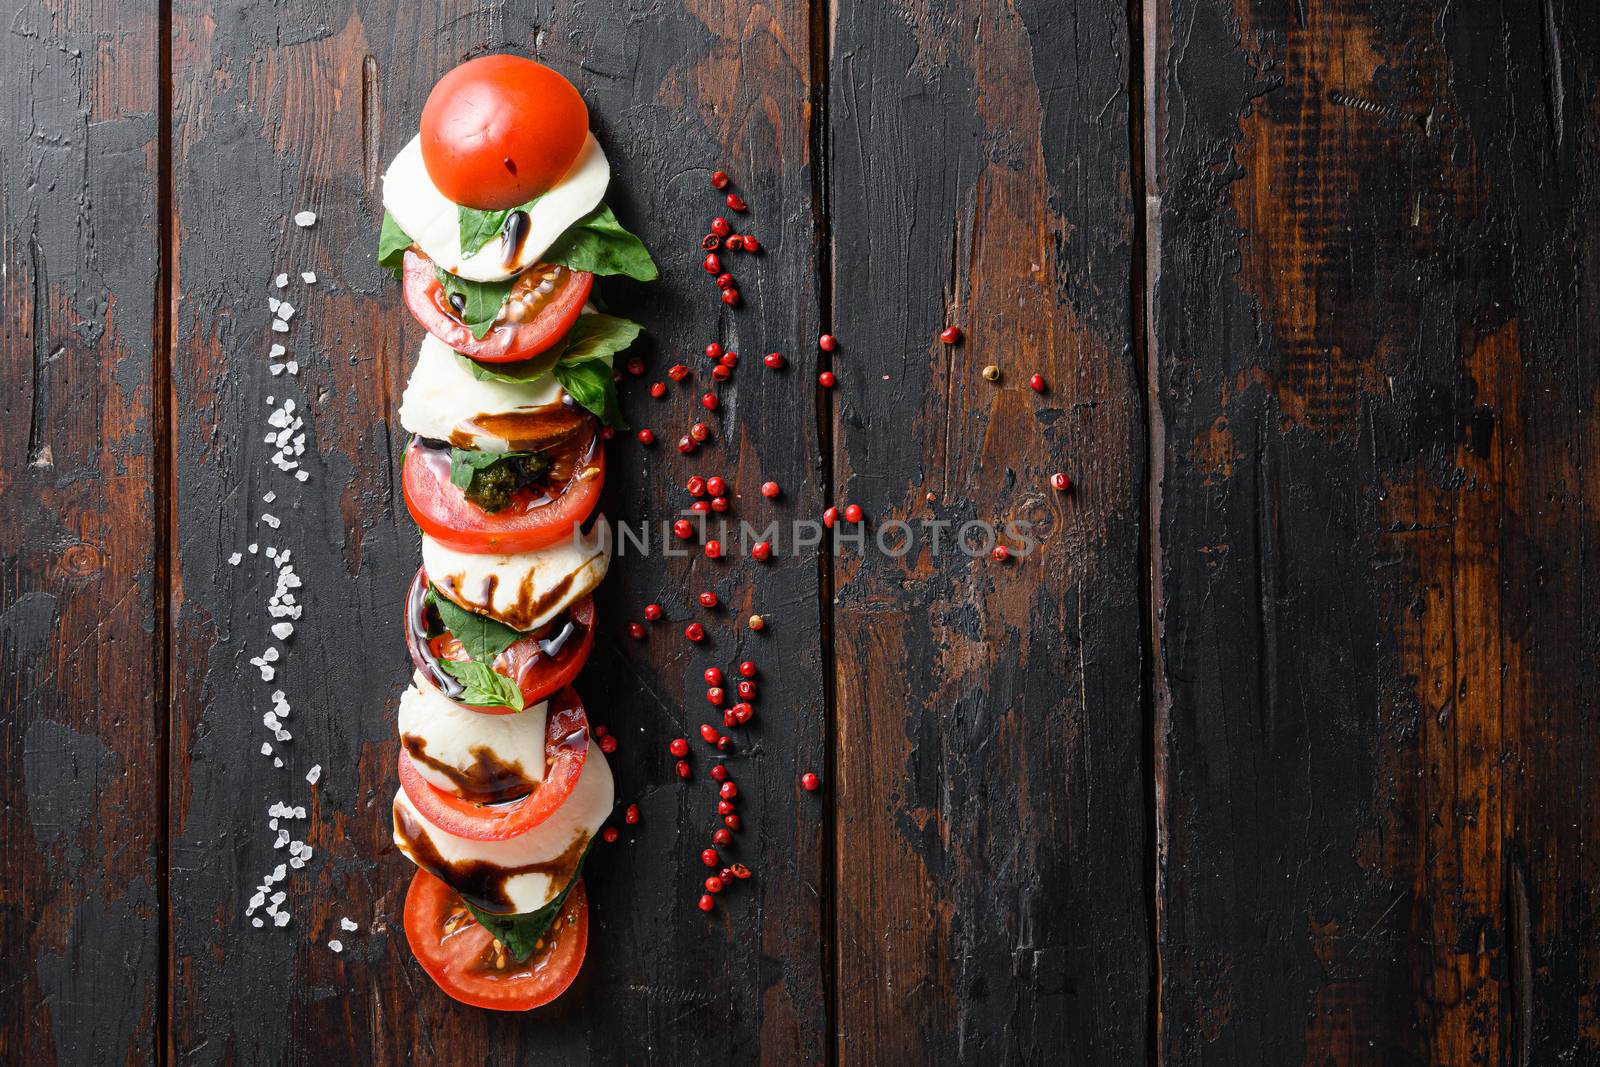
[445, 402]
[567, 829]
[433, 221]
[525, 590]
[471, 753]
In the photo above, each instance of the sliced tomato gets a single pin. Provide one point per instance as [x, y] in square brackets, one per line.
[465, 961]
[533, 520]
[530, 322]
[566, 746]
[540, 663]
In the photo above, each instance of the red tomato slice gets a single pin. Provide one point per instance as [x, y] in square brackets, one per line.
[566, 746]
[530, 522]
[529, 323]
[540, 663]
[462, 958]
[499, 130]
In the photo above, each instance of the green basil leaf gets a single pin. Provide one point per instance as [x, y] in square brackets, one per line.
[520, 933]
[590, 384]
[392, 244]
[482, 637]
[464, 463]
[485, 685]
[597, 336]
[599, 244]
[478, 228]
[518, 373]
[480, 300]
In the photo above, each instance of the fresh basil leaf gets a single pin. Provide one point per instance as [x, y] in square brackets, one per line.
[590, 384]
[485, 685]
[392, 244]
[520, 934]
[518, 373]
[482, 637]
[599, 244]
[478, 228]
[480, 301]
[464, 463]
[597, 336]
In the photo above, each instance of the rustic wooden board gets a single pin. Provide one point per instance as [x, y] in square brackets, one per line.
[80, 601]
[1375, 330]
[992, 849]
[275, 112]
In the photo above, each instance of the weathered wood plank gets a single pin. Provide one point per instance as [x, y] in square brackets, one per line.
[80, 721]
[992, 843]
[275, 113]
[1374, 320]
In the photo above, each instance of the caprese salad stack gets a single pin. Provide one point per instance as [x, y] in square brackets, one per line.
[495, 221]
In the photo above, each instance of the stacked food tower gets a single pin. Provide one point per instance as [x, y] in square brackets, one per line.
[495, 223]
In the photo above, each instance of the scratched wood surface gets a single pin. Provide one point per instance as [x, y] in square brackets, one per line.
[82, 525]
[991, 804]
[1274, 749]
[1375, 321]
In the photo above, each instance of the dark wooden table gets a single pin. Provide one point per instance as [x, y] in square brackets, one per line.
[1276, 751]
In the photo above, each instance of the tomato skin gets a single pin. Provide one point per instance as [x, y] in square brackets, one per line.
[506, 342]
[458, 962]
[566, 746]
[499, 130]
[444, 513]
[536, 673]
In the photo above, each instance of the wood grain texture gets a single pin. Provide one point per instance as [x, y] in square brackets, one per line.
[991, 812]
[80, 723]
[1374, 323]
[279, 110]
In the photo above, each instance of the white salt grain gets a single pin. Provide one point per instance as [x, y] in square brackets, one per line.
[309, 277]
[235, 558]
[314, 773]
[281, 280]
[282, 630]
[279, 326]
[336, 945]
[305, 218]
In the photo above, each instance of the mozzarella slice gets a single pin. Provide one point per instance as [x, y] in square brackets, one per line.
[525, 590]
[443, 401]
[433, 220]
[520, 874]
[471, 753]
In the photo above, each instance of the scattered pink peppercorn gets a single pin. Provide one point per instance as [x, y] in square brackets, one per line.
[694, 632]
[852, 513]
[646, 437]
[610, 834]
[827, 342]
[636, 631]
[773, 360]
[809, 782]
[826, 379]
[720, 179]
[951, 335]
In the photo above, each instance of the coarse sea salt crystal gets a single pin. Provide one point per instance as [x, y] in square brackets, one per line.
[282, 630]
[281, 919]
[276, 350]
[281, 280]
[256, 922]
[314, 773]
[269, 496]
[293, 366]
[279, 326]
[305, 218]
[301, 476]
[235, 559]
[285, 311]
[277, 762]
[275, 370]
[309, 277]
[348, 924]
[336, 945]
[273, 303]
[267, 674]
[271, 520]
[266, 749]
